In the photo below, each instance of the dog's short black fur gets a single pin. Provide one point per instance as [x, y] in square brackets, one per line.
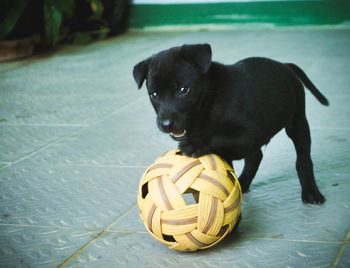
[231, 110]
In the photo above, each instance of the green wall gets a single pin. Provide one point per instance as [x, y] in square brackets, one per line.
[278, 13]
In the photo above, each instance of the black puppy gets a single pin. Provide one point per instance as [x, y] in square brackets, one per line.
[231, 110]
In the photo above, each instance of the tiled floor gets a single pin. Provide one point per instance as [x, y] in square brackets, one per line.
[76, 135]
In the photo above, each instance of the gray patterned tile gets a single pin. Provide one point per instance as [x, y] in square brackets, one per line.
[128, 138]
[32, 246]
[66, 196]
[19, 141]
[135, 250]
[76, 135]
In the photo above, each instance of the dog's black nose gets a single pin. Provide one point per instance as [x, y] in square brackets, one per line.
[167, 124]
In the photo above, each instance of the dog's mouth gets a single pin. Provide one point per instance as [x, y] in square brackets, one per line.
[178, 135]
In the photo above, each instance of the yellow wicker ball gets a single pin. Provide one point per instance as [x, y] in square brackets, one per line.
[189, 203]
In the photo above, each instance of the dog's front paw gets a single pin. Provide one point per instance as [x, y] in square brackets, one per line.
[198, 153]
[192, 149]
[186, 148]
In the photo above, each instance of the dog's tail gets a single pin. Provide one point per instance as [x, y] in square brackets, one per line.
[307, 82]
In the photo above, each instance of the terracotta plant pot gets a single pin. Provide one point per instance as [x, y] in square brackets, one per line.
[19, 48]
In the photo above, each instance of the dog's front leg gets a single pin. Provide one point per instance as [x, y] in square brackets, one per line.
[251, 165]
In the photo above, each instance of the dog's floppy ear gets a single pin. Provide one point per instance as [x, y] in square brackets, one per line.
[197, 55]
[140, 72]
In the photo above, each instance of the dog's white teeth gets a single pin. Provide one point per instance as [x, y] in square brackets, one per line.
[178, 135]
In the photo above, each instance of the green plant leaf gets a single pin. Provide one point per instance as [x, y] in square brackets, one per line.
[81, 38]
[97, 7]
[53, 20]
[12, 17]
[103, 32]
[66, 7]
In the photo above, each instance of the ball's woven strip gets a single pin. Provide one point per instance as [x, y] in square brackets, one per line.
[150, 216]
[184, 170]
[182, 226]
[163, 194]
[215, 182]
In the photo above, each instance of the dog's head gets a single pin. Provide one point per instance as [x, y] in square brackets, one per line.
[176, 80]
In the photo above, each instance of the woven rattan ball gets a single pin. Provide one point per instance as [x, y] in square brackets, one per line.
[189, 203]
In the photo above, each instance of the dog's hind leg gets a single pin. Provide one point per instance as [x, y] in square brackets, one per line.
[251, 165]
[299, 132]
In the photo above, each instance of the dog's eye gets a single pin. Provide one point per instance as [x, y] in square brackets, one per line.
[154, 95]
[183, 91]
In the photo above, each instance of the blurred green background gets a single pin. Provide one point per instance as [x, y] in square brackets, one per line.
[54, 21]
[276, 13]
[82, 21]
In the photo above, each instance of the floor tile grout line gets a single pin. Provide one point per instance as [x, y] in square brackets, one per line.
[43, 125]
[96, 237]
[75, 228]
[52, 227]
[341, 249]
[145, 232]
[247, 238]
[44, 147]
[141, 98]
[81, 249]
[69, 227]
[296, 240]
[87, 165]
